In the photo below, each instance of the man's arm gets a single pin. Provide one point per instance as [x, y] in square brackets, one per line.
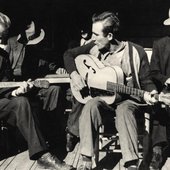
[145, 73]
[155, 66]
[145, 79]
[71, 54]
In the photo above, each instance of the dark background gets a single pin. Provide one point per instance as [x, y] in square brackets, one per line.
[141, 20]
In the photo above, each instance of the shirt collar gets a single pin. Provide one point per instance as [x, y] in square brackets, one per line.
[36, 40]
[119, 48]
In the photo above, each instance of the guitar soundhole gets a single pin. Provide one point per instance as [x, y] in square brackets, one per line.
[85, 92]
[84, 61]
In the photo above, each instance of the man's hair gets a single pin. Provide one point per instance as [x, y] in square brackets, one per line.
[110, 21]
[5, 21]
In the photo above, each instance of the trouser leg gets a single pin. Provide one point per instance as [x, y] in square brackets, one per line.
[52, 112]
[127, 129]
[159, 127]
[21, 116]
[52, 98]
[90, 120]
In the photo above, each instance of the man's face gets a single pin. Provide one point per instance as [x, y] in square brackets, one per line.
[101, 40]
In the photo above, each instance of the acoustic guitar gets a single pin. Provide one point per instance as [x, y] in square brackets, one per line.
[105, 82]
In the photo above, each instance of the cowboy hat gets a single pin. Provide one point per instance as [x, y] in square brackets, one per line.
[167, 21]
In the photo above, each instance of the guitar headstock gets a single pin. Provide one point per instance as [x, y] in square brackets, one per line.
[41, 83]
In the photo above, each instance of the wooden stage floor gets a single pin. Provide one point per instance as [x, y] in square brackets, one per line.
[107, 161]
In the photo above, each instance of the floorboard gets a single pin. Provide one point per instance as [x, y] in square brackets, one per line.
[7, 162]
[107, 161]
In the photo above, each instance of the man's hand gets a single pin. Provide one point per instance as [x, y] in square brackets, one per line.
[167, 82]
[24, 88]
[61, 71]
[150, 98]
[77, 81]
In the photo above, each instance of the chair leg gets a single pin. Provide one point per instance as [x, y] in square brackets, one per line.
[147, 122]
[146, 139]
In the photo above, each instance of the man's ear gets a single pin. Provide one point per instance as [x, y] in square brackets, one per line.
[110, 36]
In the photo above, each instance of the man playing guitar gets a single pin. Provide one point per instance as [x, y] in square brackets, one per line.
[132, 59]
[16, 110]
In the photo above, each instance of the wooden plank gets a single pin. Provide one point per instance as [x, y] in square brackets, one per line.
[78, 158]
[34, 166]
[2, 161]
[7, 162]
[38, 167]
[21, 162]
[71, 156]
[167, 164]
[26, 163]
[119, 166]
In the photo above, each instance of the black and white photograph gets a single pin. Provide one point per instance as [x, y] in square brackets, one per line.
[84, 84]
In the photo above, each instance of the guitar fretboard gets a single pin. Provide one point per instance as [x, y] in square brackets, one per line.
[124, 89]
[10, 84]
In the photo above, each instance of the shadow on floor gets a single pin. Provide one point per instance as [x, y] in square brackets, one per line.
[109, 161]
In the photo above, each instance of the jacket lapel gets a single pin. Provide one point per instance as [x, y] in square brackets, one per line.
[16, 52]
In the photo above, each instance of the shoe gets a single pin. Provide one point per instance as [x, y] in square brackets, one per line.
[51, 162]
[132, 167]
[71, 141]
[86, 165]
[156, 161]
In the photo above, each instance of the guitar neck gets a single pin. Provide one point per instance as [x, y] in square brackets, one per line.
[124, 89]
[39, 82]
[10, 84]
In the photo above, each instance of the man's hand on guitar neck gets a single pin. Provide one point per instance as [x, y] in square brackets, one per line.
[77, 81]
[24, 88]
[150, 98]
[61, 71]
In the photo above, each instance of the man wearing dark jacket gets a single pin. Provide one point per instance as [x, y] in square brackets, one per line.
[132, 59]
[16, 110]
[160, 72]
[26, 53]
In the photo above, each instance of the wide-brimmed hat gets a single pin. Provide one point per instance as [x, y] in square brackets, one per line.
[167, 21]
[38, 34]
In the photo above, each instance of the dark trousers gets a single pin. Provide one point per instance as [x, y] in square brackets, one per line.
[17, 112]
[159, 125]
[49, 105]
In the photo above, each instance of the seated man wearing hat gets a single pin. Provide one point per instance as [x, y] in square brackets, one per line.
[160, 72]
[26, 52]
[15, 108]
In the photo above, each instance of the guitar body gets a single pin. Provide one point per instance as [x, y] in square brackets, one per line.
[96, 75]
[105, 81]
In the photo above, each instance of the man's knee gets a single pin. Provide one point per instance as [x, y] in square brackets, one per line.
[93, 104]
[20, 108]
[125, 110]
[92, 108]
[54, 88]
[20, 101]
